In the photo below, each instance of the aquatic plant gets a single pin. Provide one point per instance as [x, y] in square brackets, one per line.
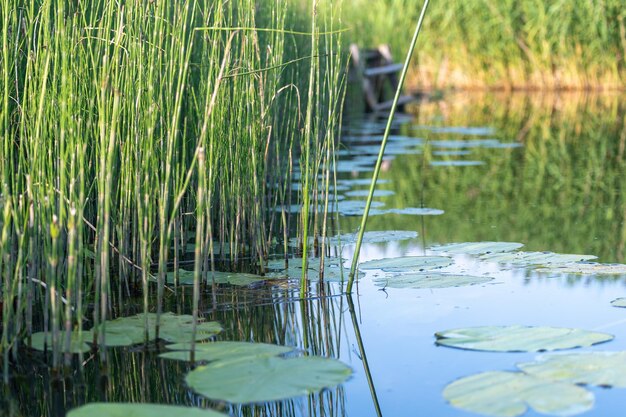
[128, 130]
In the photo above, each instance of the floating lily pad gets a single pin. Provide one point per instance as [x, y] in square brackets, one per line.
[587, 268]
[603, 369]
[140, 410]
[173, 328]
[535, 258]
[620, 302]
[519, 338]
[510, 394]
[233, 278]
[374, 237]
[313, 263]
[42, 339]
[356, 207]
[462, 130]
[477, 248]
[365, 193]
[216, 351]
[266, 379]
[461, 144]
[361, 181]
[456, 163]
[451, 153]
[505, 145]
[408, 263]
[128, 331]
[417, 211]
[334, 271]
[429, 280]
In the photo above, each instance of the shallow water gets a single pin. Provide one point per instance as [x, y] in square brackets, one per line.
[550, 173]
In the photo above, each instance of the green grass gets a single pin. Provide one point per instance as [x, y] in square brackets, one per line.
[130, 130]
[508, 44]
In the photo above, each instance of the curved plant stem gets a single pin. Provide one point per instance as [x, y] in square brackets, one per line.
[381, 153]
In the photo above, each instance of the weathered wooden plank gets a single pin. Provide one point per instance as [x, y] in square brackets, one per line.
[383, 70]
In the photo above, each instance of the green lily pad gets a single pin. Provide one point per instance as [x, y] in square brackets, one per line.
[429, 280]
[42, 339]
[416, 211]
[535, 258]
[365, 193]
[510, 394]
[334, 271]
[224, 351]
[451, 153]
[587, 268]
[619, 302]
[128, 331]
[267, 378]
[519, 338]
[373, 237]
[356, 207]
[456, 163]
[233, 278]
[361, 181]
[408, 263]
[173, 328]
[603, 369]
[477, 248]
[140, 410]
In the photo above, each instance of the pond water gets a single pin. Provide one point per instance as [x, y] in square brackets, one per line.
[545, 171]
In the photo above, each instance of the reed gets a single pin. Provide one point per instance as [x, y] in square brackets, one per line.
[105, 108]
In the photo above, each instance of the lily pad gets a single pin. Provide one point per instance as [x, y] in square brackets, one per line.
[430, 280]
[456, 163]
[140, 410]
[461, 144]
[462, 130]
[266, 379]
[356, 207]
[374, 237]
[361, 181]
[365, 193]
[173, 328]
[233, 278]
[510, 394]
[216, 351]
[603, 369]
[42, 339]
[408, 263]
[451, 153]
[620, 302]
[587, 268]
[477, 248]
[334, 271]
[535, 258]
[519, 338]
[417, 211]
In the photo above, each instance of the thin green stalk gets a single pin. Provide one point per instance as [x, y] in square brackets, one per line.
[381, 153]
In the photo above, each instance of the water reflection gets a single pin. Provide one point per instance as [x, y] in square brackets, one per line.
[265, 314]
[564, 190]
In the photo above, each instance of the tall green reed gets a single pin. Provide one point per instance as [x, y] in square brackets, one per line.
[105, 110]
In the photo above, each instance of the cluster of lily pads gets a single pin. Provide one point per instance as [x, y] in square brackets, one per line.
[236, 372]
[422, 272]
[551, 384]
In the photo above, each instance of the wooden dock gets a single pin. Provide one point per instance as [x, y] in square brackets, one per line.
[378, 74]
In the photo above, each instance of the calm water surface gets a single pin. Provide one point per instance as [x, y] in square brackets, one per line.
[549, 172]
